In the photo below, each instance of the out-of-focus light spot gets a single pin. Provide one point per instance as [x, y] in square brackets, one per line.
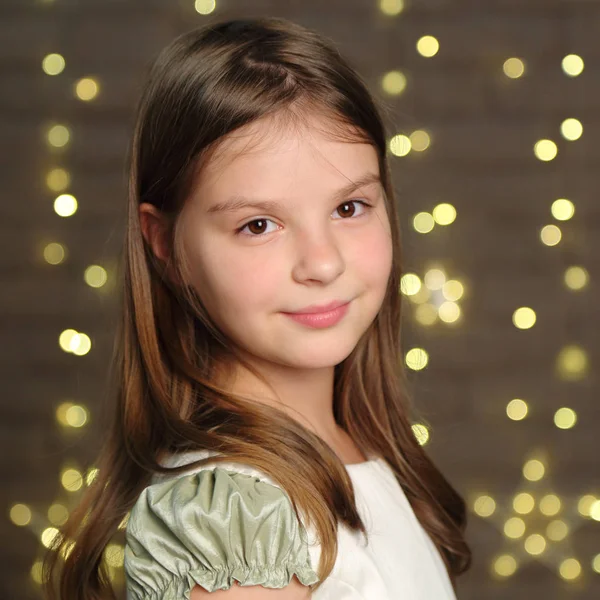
[576, 278]
[524, 317]
[444, 214]
[584, 505]
[517, 409]
[484, 506]
[71, 480]
[435, 279]
[573, 65]
[58, 514]
[550, 505]
[61, 412]
[420, 140]
[421, 433]
[400, 145]
[557, 530]
[572, 363]
[76, 416]
[545, 150]
[65, 205]
[504, 566]
[114, 554]
[53, 64]
[391, 7]
[95, 276]
[86, 89]
[48, 536]
[205, 7]
[565, 418]
[550, 235]
[81, 344]
[523, 503]
[595, 510]
[449, 312]
[562, 209]
[570, 569]
[417, 359]
[428, 46]
[65, 339]
[36, 571]
[426, 314]
[535, 544]
[514, 528]
[54, 253]
[58, 136]
[394, 83]
[423, 222]
[20, 514]
[571, 129]
[513, 68]
[453, 290]
[92, 475]
[533, 470]
[596, 563]
[410, 284]
[58, 179]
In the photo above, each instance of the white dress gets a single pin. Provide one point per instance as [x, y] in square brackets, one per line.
[208, 530]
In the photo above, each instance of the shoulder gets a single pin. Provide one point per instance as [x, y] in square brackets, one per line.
[211, 526]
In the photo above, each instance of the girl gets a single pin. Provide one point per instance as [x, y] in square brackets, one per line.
[262, 425]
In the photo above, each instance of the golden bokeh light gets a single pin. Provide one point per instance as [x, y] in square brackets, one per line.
[535, 544]
[400, 145]
[550, 505]
[53, 64]
[394, 82]
[514, 528]
[550, 235]
[58, 180]
[54, 253]
[562, 209]
[533, 470]
[410, 284]
[453, 290]
[524, 318]
[428, 46]
[71, 480]
[513, 67]
[205, 7]
[504, 566]
[426, 314]
[517, 409]
[20, 514]
[576, 277]
[65, 205]
[484, 506]
[571, 129]
[523, 503]
[570, 569]
[86, 89]
[572, 65]
[572, 363]
[545, 150]
[444, 214]
[435, 279]
[449, 312]
[58, 136]
[565, 418]
[557, 530]
[585, 503]
[423, 222]
[391, 7]
[58, 514]
[421, 432]
[420, 140]
[416, 359]
[95, 276]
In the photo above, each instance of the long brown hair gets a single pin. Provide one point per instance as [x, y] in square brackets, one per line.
[205, 84]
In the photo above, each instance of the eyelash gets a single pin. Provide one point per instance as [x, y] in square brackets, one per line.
[239, 230]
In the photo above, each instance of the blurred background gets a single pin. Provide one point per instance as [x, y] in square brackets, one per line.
[494, 130]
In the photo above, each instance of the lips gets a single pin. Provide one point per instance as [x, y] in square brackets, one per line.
[319, 308]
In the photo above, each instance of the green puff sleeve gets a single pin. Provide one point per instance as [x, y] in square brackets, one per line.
[209, 528]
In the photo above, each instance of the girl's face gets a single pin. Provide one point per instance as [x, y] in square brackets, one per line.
[313, 245]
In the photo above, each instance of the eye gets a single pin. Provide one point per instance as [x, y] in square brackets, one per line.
[239, 231]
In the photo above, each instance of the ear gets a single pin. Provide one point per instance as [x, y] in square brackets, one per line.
[154, 230]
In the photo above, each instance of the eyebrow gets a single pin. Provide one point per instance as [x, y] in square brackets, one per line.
[239, 202]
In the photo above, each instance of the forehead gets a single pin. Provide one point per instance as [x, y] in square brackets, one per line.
[278, 155]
